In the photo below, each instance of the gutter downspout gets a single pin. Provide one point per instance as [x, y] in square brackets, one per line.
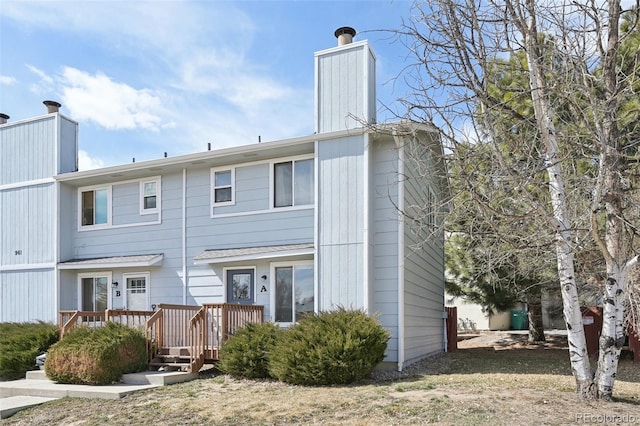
[400, 250]
[184, 237]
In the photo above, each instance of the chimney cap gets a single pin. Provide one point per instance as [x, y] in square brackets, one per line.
[52, 103]
[345, 30]
[4, 116]
[52, 106]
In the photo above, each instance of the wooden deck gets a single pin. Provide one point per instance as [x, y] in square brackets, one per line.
[182, 336]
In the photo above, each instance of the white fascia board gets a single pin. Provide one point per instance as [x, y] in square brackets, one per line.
[205, 155]
[256, 256]
[112, 265]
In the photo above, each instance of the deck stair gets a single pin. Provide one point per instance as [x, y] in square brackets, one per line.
[172, 359]
[179, 337]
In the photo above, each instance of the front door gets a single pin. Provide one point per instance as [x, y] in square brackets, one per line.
[137, 293]
[240, 286]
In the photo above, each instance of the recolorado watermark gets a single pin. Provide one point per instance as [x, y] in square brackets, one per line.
[606, 418]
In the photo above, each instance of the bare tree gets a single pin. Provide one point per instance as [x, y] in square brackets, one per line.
[561, 168]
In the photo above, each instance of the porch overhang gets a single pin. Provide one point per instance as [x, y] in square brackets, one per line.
[252, 253]
[134, 261]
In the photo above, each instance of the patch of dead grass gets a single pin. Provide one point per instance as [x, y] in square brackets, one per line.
[504, 383]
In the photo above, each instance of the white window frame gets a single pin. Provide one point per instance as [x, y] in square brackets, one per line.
[94, 188]
[272, 183]
[98, 274]
[125, 291]
[157, 208]
[232, 202]
[272, 287]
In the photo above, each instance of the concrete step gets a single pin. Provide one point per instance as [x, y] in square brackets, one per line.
[36, 389]
[11, 405]
[159, 378]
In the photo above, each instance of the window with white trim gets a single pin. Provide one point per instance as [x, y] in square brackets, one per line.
[293, 183]
[93, 291]
[222, 183]
[94, 207]
[149, 196]
[293, 291]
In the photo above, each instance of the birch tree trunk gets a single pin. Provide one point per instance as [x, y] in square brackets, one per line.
[609, 192]
[578, 354]
[573, 54]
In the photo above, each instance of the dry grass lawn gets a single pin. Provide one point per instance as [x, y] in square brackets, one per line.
[487, 381]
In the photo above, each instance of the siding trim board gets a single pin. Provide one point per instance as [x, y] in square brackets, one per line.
[27, 183]
[27, 266]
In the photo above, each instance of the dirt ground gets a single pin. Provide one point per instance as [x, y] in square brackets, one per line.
[492, 379]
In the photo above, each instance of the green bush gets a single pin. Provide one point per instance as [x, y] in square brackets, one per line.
[337, 347]
[97, 356]
[246, 354]
[20, 343]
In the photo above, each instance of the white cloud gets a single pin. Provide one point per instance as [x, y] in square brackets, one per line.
[85, 162]
[108, 103]
[41, 74]
[5, 79]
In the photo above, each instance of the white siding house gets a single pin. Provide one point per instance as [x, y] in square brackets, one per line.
[298, 225]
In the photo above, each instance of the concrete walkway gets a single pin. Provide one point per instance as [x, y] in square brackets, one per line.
[36, 389]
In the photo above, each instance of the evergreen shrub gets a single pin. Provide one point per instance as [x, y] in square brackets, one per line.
[337, 347]
[246, 354]
[97, 356]
[20, 343]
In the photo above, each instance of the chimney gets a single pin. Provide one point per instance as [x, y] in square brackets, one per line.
[52, 106]
[345, 84]
[345, 35]
[3, 118]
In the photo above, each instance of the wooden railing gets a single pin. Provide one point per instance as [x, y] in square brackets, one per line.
[202, 329]
[133, 319]
[213, 324]
[68, 320]
[80, 319]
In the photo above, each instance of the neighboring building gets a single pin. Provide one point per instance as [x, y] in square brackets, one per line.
[473, 313]
[298, 225]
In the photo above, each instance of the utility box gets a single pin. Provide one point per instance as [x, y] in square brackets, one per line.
[519, 320]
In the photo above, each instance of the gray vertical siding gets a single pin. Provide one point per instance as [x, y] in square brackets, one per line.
[28, 225]
[28, 296]
[341, 223]
[424, 271]
[31, 152]
[345, 87]
[385, 240]
[68, 150]
[28, 150]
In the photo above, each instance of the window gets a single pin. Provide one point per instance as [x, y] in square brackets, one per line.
[223, 186]
[293, 183]
[431, 207]
[95, 207]
[240, 284]
[149, 198]
[136, 291]
[93, 292]
[294, 292]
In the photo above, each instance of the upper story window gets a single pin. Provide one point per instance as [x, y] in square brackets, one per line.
[149, 197]
[293, 183]
[223, 181]
[94, 207]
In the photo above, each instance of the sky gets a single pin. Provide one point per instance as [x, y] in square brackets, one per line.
[146, 77]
